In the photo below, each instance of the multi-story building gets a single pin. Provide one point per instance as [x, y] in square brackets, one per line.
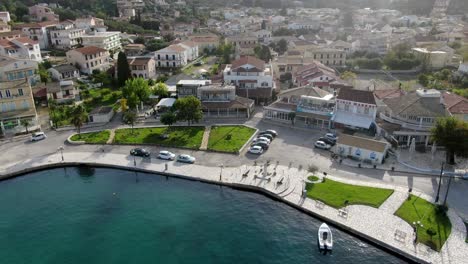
[66, 35]
[355, 109]
[90, 24]
[220, 100]
[327, 56]
[242, 39]
[412, 115]
[144, 67]
[109, 40]
[64, 72]
[12, 69]
[128, 8]
[315, 74]
[39, 31]
[21, 48]
[206, 42]
[62, 91]
[4, 20]
[173, 56]
[190, 87]
[191, 49]
[90, 58]
[10, 34]
[41, 13]
[134, 49]
[5, 16]
[252, 77]
[16, 104]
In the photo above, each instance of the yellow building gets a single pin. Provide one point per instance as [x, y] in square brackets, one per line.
[16, 104]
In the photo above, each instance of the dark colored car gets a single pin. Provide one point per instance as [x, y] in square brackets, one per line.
[140, 152]
[261, 144]
[327, 141]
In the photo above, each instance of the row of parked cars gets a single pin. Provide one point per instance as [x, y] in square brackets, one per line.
[163, 154]
[262, 142]
[326, 142]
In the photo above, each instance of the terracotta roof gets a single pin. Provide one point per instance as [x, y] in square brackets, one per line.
[392, 93]
[176, 48]
[189, 43]
[257, 63]
[89, 50]
[305, 90]
[356, 96]
[455, 104]
[363, 143]
[36, 24]
[413, 104]
[138, 61]
[26, 40]
[10, 33]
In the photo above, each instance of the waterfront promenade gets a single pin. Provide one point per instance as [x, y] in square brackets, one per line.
[378, 225]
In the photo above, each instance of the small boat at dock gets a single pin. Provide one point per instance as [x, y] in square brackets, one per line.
[325, 238]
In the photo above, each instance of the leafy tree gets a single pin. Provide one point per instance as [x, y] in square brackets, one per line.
[130, 117]
[225, 52]
[282, 46]
[168, 118]
[188, 109]
[349, 76]
[123, 69]
[423, 80]
[262, 52]
[132, 101]
[160, 89]
[156, 44]
[44, 75]
[135, 91]
[26, 123]
[78, 117]
[453, 135]
[139, 40]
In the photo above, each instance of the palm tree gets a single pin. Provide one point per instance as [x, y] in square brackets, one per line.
[78, 117]
[26, 123]
[452, 134]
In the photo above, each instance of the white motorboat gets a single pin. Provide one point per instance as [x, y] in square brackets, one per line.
[325, 238]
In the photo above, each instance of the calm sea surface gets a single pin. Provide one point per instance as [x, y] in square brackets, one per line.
[76, 215]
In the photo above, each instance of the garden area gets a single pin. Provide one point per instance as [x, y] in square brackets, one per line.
[229, 138]
[180, 136]
[436, 226]
[338, 195]
[100, 137]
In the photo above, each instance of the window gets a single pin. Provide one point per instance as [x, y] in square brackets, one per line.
[25, 104]
[1, 94]
[173, 57]
[7, 93]
[366, 110]
[159, 56]
[20, 92]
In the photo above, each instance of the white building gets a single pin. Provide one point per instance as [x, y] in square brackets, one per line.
[363, 149]
[173, 56]
[355, 108]
[41, 12]
[4, 20]
[109, 40]
[21, 48]
[191, 49]
[12, 69]
[38, 31]
[89, 58]
[144, 67]
[101, 114]
[64, 72]
[252, 77]
[90, 24]
[66, 35]
[62, 91]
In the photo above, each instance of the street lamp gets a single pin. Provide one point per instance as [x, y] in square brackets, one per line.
[61, 150]
[440, 182]
[221, 173]
[416, 225]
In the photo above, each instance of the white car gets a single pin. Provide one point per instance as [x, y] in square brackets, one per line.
[256, 150]
[322, 145]
[264, 139]
[185, 158]
[273, 132]
[38, 136]
[331, 136]
[166, 155]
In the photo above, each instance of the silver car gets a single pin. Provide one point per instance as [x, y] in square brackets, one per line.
[185, 158]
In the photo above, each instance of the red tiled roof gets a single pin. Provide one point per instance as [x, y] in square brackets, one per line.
[384, 94]
[455, 104]
[138, 61]
[26, 40]
[89, 50]
[366, 97]
[257, 63]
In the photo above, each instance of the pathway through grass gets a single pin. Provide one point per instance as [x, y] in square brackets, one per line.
[229, 138]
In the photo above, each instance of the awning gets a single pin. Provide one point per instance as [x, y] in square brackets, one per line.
[353, 120]
[167, 102]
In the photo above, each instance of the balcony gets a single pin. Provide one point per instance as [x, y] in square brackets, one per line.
[406, 124]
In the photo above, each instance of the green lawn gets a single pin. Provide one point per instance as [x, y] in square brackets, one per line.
[313, 178]
[335, 194]
[101, 97]
[229, 138]
[93, 137]
[417, 209]
[186, 137]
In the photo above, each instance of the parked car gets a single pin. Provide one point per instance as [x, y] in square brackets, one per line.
[256, 150]
[322, 145]
[140, 152]
[166, 155]
[331, 136]
[185, 158]
[271, 131]
[261, 139]
[266, 133]
[38, 136]
[327, 141]
[268, 136]
[264, 145]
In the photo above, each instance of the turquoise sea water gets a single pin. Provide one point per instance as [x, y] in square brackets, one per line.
[74, 215]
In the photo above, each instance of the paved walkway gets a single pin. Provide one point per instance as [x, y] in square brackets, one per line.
[378, 224]
[206, 137]
[111, 136]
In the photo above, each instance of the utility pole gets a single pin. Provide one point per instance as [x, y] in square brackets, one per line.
[440, 182]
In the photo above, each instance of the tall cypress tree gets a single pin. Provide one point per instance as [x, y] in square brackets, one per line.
[123, 69]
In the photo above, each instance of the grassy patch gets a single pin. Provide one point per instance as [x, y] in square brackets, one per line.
[229, 138]
[93, 137]
[313, 178]
[336, 194]
[417, 209]
[186, 137]
[101, 97]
